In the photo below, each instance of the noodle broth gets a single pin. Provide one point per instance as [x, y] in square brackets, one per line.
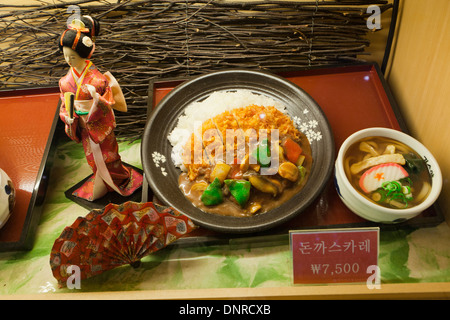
[372, 161]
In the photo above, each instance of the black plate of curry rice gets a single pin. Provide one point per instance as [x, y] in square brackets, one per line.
[162, 169]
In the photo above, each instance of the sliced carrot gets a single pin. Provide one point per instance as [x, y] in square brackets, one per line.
[292, 150]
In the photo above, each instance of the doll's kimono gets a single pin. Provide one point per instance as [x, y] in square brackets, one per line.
[93, 124]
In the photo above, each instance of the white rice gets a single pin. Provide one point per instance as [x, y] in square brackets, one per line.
[198, 112]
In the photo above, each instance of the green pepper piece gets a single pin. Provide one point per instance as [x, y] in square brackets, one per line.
[262, 153]
[240, 190]
[212, 194]
[302, 172]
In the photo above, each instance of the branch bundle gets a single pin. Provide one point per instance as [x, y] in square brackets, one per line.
[143, 40]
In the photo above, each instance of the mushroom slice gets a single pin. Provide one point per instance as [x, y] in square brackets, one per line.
[264, 185]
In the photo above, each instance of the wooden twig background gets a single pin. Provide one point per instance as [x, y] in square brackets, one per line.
[143, 40]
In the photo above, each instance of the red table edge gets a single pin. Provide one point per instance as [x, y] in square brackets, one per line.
[34, 210]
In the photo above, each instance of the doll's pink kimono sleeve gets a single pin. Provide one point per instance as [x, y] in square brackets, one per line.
[101, 121]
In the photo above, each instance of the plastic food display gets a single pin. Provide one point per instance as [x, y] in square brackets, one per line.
[344, 93]
[387, 192]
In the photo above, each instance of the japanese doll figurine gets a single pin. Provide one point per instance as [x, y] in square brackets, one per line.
[88, 98]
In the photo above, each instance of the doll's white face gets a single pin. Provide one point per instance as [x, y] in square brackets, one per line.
[73, 59]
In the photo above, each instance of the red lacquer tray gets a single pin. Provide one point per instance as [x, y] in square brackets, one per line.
[353, 98]
[27, 124]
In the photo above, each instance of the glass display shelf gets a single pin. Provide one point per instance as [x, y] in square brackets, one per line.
[414, 258]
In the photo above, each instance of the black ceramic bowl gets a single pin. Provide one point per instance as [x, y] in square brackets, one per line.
[313, 122]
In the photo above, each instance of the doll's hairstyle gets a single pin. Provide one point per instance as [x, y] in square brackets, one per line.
[81, 39]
